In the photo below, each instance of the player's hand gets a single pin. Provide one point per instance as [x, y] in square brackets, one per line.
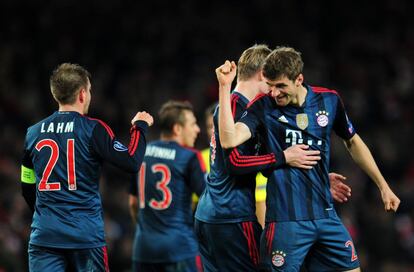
[299, 156]
[339, 190]
[391, 201]
[226, 73]
[143, 116]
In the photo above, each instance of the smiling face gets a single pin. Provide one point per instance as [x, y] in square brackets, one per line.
[284, 90]
[282, 71]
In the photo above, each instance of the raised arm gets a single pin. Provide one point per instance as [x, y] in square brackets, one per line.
[231, 134]
[363, 157]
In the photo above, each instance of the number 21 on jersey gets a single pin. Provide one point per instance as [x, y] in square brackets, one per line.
[161, 185]
[44, 185]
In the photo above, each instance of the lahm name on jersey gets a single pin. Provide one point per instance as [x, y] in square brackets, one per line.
[159, 152]
[61, 127]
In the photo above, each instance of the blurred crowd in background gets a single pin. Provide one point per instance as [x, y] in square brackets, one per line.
[141, 54]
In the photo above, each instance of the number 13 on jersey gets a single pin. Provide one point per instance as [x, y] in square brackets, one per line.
[161, 185]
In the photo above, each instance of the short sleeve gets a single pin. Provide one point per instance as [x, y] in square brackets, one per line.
[342, 125]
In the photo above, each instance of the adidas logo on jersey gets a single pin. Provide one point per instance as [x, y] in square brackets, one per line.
[283, 119]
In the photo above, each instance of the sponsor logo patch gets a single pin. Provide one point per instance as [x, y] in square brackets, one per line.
[350, 127]
[119, 147]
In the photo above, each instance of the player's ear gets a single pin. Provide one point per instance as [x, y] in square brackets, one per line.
[259, 75]
[299, 80]
[176, 129]
[262, 77]
[82, 95]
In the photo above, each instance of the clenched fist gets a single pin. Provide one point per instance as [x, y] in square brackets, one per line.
[143, 116]
[226, 73]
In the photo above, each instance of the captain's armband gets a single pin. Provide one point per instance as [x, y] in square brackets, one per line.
[27, 175]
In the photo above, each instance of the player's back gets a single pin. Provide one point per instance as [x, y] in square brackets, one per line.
[228, 198]
[68, 212]
[167, 178]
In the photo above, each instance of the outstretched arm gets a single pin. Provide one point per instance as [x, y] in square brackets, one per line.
[363, 157]
[231, 134]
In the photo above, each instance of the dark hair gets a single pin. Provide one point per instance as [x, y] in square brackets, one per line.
[251, 61]
[66, 81]
[283, 61]
[171, 113]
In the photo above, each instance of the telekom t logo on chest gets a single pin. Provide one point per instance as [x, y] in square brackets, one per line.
[294, 137]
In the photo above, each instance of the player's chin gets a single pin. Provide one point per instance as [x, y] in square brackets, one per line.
[281, 101]
[191, 143]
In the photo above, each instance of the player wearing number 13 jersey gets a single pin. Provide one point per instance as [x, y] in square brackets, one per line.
[60, 176]
[161, 195]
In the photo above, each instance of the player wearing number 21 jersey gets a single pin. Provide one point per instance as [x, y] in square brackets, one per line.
[161, 195]
[61, 167]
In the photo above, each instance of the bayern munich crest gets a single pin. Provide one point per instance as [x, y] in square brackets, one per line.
[278, 258]
[322, 118]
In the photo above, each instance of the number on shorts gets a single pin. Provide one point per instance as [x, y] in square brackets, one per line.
[349, 243]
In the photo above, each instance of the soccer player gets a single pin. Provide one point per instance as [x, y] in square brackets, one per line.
[160, 195]
[260, 194]
[340, 190]
[208, 118]
[62, 161]
[300, 220]
[226, 224]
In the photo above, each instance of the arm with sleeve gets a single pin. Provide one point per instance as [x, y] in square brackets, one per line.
[240, 163]
[357, 148]
[108, 148]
